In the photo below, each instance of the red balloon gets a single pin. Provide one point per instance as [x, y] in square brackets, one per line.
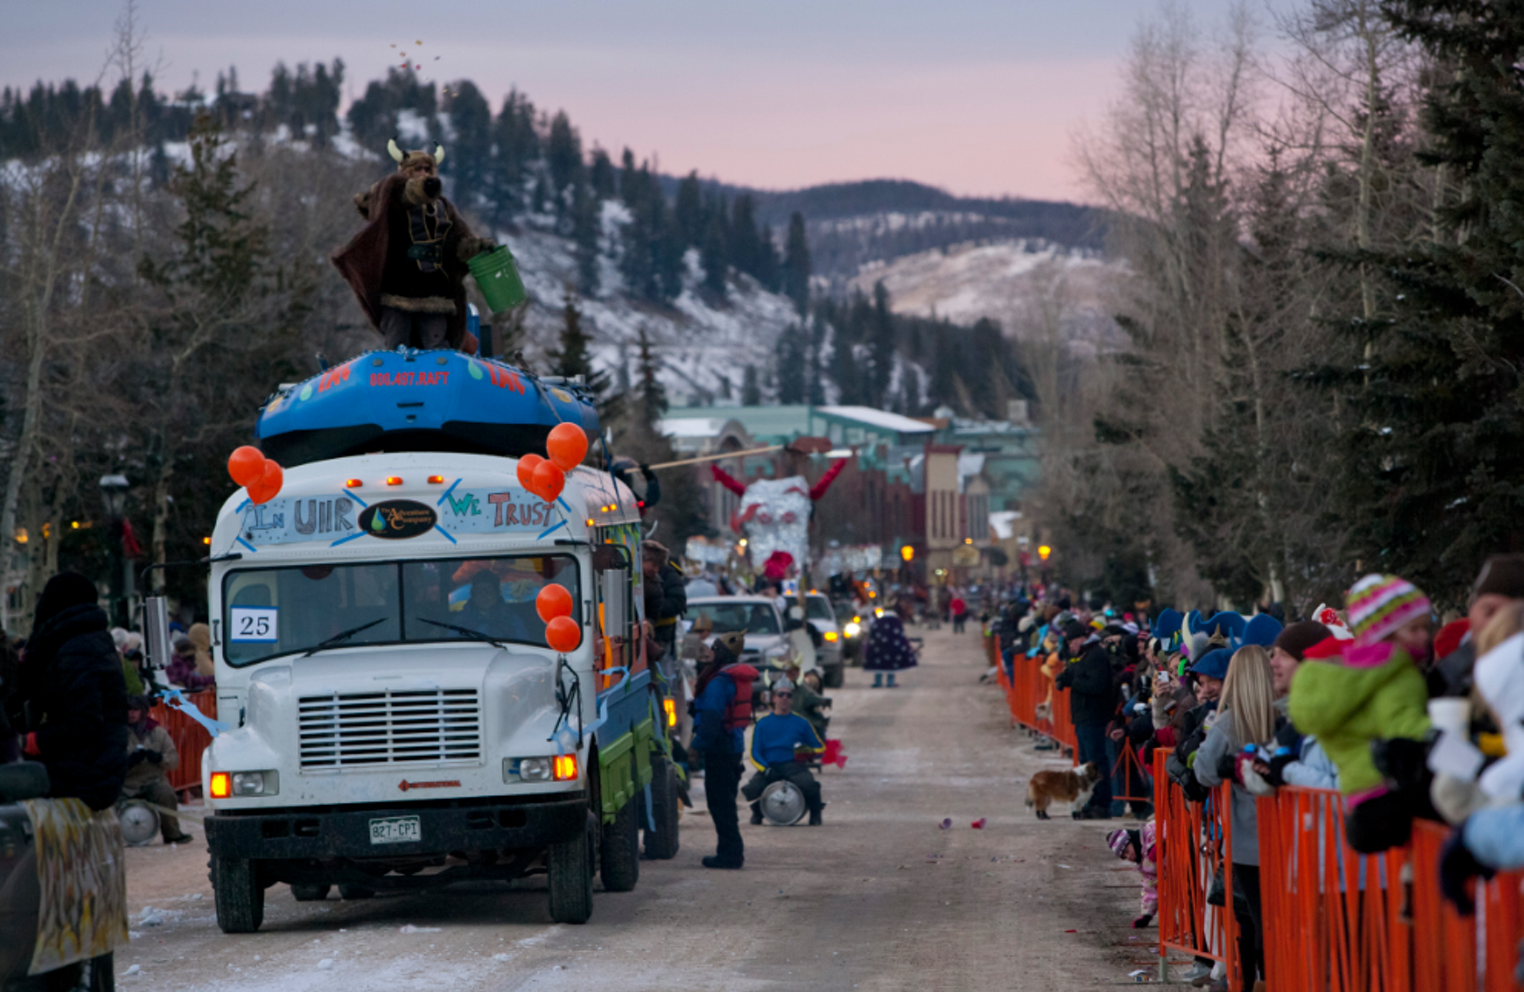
[548, 480]
[553, 601]
[246, 464]
[527, 465]
[563, 634]
[567, 446]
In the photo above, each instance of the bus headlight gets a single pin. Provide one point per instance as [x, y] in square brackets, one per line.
[852, 629]
[225, 784]
[534, 770]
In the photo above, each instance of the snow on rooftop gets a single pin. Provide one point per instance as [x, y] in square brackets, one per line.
[879, 418]
[691, 427]
[1003, 523]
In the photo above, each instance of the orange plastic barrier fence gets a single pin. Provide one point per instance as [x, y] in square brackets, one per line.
[1335, 920]
[189, 736]
[1128, 769]
[1194, 842]
[1027, 691]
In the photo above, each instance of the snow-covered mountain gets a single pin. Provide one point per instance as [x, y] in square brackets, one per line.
[1018, 282]
[702, 346]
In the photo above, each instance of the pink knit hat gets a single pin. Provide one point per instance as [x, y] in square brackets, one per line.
[1380, 605]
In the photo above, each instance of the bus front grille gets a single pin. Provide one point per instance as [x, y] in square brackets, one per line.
[433, 726]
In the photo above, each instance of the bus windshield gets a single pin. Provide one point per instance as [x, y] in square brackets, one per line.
[277, 611]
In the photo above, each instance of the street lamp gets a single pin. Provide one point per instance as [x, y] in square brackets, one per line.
[114, 500]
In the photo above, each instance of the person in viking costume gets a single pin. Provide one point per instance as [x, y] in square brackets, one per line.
[407, 266]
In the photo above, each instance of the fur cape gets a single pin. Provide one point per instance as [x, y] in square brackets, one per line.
[363, 260]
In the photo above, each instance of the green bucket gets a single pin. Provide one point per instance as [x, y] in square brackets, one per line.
[498, 279]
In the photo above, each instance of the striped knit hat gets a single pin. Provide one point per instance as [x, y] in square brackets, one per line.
[1380, 605]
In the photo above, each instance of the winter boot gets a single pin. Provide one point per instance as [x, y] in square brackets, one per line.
[756, 814]
[815, 816]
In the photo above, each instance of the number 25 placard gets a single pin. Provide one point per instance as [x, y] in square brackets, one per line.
[255, 624]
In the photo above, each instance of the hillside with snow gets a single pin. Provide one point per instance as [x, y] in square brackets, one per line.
[1019, 283]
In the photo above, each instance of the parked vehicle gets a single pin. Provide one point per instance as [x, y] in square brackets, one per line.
[832, 652]
[767, 645]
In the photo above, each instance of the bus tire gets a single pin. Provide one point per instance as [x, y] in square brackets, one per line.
[239, 896]
[619, 866]
[833, 676]
[569, 870]
[309, 892]
[663, 843]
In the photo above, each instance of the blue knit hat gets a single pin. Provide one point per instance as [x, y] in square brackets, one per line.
[1214, 664]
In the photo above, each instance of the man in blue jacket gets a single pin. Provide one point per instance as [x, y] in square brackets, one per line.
[721, 713]
[776, 742]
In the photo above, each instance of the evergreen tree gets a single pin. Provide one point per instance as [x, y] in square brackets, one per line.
[574, 357]
[601, 175]
[651, 401]
[745, 244]
[470, 152]
[797, 269]
[881, 340]
[1432, 474]
[714, 254]
[688, 212]
[769, 267]
[563, 157]
[751, 388]
[586, 225]
[793, 365]
[518, 145]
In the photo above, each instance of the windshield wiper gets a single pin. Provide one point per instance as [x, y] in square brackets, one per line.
[340, 637]
[473, 634]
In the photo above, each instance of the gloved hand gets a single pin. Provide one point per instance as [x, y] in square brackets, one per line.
[1276, 773]
[1227, 767]
[1456, 866]
[1142, 921]
[646, 473]
[157, 757]
[137, 758]
[1401, 760]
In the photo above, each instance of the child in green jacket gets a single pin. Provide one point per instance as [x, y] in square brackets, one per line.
[1352, 694]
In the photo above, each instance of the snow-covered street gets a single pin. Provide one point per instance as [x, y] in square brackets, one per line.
[878, 898]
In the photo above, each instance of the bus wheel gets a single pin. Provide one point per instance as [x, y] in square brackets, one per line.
[239, 896]
[620, 865]
[662, 843]
[569, 866]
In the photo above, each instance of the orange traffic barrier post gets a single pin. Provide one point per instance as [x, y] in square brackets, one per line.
[1127, 762]
[1194, 841]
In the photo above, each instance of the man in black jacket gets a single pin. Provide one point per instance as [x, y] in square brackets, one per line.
[665, 592]
[75, 695]
[1092, 704]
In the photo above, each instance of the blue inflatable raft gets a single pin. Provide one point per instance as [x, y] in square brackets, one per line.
[409, 400]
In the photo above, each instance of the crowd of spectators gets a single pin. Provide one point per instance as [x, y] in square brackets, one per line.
[1406, 718]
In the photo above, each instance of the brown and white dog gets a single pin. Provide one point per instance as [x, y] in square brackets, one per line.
[1072, 787]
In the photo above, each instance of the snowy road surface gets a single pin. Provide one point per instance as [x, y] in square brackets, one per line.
[878, 898]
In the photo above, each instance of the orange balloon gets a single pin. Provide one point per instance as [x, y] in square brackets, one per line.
[553, 601]
[548, 480]
[267, 486]
[527, 465]
[567, 446]
[246, 464]
[563, 634]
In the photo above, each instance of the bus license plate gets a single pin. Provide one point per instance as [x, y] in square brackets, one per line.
[396, 830]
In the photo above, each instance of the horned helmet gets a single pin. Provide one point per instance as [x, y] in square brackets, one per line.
[406, 158]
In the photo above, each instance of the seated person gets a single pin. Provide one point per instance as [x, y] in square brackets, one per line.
[777, 742]
[150, 755]
[488, 613]
[808, 700]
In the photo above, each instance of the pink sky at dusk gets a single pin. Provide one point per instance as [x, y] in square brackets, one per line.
[980, 98]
